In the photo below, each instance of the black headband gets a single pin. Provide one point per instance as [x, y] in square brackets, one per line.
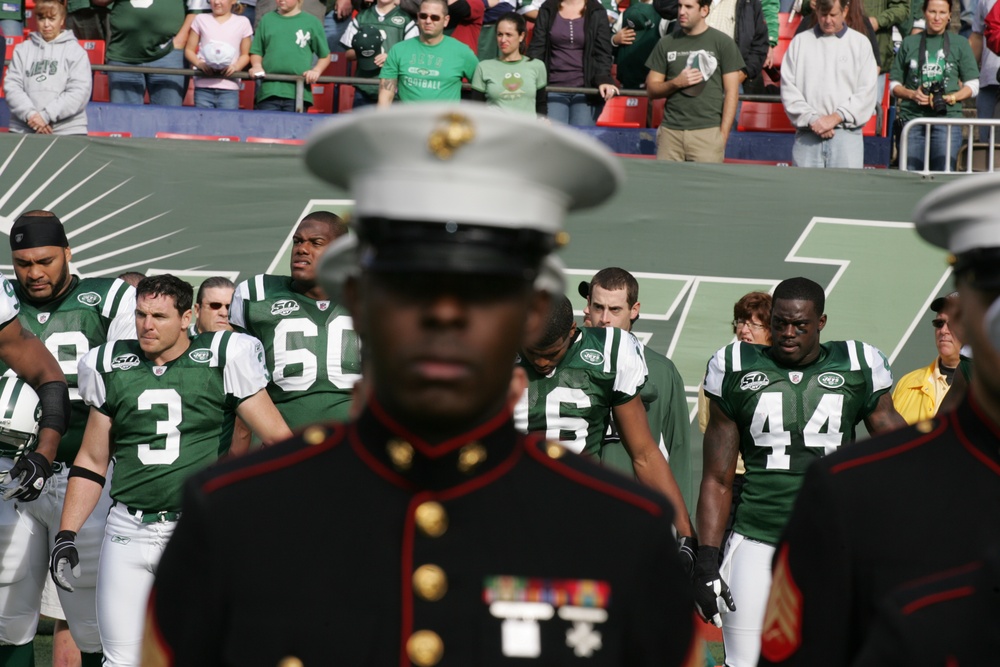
[37, 231]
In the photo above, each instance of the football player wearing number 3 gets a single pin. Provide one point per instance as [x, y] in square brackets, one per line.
[158, 405]
[782, 406]
[70, 315]
[312, 351]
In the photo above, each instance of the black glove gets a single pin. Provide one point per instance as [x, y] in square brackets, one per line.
[687, 547]
[64, 553]
[709, 588]
[28, 475]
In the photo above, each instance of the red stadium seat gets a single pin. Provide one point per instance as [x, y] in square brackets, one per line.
[95, 49]
[764, 117]
[658, 106]
[113, 135]
[322, 98]
[102, 90]
[269, 140]
[770, 163]
[338, 65]
[345, 100]
[624, 112]
[12, 41]
[194, 137]
[248, 90]
[3, 77]
[788, 24]
[779, 52]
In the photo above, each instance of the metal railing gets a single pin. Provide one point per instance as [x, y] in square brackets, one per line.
[299, 82]
[970, 142]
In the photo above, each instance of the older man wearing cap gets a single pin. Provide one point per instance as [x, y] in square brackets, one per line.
[440, 535]
[911, 504]
[918, 394]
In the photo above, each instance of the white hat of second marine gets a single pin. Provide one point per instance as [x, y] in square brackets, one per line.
[964, 217]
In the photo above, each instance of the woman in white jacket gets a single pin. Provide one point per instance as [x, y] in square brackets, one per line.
[48, 79]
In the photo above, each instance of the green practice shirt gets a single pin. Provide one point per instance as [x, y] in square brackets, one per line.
[287, 45]
[143, 30]
[511, 86]
[677, 51]
[426, 73]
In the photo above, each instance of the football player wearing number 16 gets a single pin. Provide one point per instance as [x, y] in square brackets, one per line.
[782, 406]
[312, 351]
[159, 405]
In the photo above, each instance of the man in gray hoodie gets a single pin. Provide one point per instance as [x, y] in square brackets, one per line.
[49, 80]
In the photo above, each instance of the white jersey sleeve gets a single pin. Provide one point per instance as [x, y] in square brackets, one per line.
[9, 305]
[716, 371]
[123, 319]
[237, 315]
[89, 380]
[881, 373]
[245, 372]
[631, 372]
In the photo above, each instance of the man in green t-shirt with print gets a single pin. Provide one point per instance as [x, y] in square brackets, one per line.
[429, 68]
[697, 68]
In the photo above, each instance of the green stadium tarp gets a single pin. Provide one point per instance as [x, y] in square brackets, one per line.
[697, 236]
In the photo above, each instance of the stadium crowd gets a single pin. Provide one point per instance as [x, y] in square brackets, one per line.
[696, 55]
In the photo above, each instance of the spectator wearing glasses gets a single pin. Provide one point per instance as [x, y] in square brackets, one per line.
[918, 394]
[453, 62]
[211, 308]
[751, 315]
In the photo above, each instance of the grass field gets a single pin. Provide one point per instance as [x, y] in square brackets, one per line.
[43, 643]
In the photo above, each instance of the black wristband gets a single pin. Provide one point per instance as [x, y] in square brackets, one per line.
[54, 399]
[66, 536]
[86, 473]
[708, 560]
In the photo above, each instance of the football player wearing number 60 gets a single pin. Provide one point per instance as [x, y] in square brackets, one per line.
[159, 405]
[70, 315]
[312, 352]
[782, 406]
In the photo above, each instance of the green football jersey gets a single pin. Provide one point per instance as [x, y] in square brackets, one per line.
[312, 352]
[572, 405]
[669, 420]
[789, 417]
[93, 311]
[168, 422]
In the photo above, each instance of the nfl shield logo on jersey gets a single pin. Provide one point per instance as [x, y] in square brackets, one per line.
[159, 370]
[795, 377]
[322, 305]
[43, 317]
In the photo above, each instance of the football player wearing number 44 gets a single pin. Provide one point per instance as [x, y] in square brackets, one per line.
[312, 352]
[783, 406]
[159, 405]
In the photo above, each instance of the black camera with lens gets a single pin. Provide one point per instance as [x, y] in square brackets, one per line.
[936, 92]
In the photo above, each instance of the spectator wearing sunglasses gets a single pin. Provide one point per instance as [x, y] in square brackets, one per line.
[918, 394]
[408, 67]
[211, 308]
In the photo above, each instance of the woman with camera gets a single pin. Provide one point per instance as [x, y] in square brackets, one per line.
[932, 73]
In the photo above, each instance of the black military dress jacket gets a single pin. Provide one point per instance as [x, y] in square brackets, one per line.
[872, 517]
[360, 544]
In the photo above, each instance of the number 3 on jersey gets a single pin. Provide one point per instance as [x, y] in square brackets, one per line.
[768, 427]
[303, 357]
[169, 453]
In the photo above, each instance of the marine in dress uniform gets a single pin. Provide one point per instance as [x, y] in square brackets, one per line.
[916, 502]
[428, 531]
